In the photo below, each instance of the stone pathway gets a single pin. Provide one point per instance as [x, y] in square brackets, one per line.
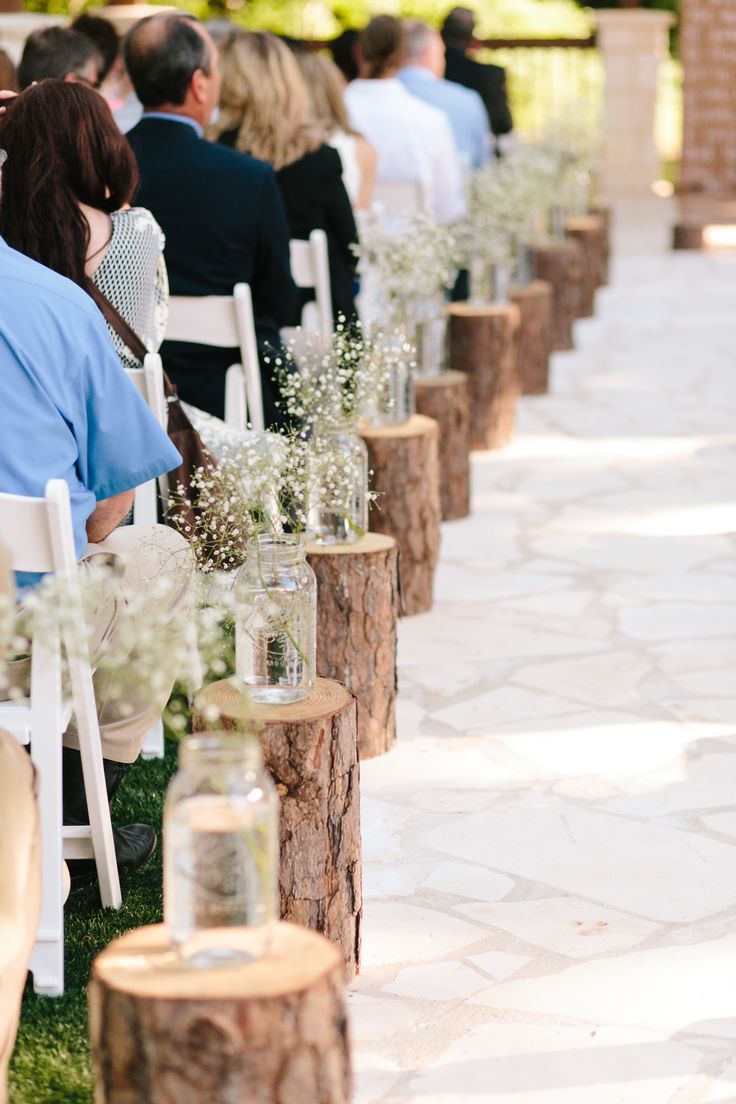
[550, 851]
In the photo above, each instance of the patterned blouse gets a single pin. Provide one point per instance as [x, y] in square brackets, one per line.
[132, 275]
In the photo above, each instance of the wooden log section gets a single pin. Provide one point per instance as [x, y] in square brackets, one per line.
[404, 460]
[357, 608]
[561, 263]
[484, 342]
[590, 232]
[446, 398]
[535, 303]
[310, 748]
[606, 217]
[270, 1031]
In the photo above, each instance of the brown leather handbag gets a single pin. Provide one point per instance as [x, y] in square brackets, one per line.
[182, 507]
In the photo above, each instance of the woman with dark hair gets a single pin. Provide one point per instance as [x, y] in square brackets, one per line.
[66, 188]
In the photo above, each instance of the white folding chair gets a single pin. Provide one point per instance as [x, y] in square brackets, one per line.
[225, 321]
[399, 198]
[150, 383]
[310, 268]
[39, 536]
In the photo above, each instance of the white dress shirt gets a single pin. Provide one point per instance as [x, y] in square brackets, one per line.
[414, 142]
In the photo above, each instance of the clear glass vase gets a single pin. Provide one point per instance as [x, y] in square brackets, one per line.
[431, 338]
[524, 262]
[393, 402]
[490, 282]
[221, 851]
[338, 485]
[557, 223]
[276, 621]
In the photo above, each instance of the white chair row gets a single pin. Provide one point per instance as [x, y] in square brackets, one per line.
[39, 536]
[227, 321]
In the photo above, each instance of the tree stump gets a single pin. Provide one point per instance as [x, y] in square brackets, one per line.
[271, 1031]
[404, 460]
[484, 344]
[606, 217]
[357, 608]
[20, 887]
[446, 398]
[535, 303]
[561, 263]
[590, 232]
[310, 748]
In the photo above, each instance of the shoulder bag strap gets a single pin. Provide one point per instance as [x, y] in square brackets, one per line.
[115, 320]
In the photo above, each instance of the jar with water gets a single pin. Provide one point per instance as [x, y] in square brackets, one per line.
[276, 621]
[221, 851]
[338, 485]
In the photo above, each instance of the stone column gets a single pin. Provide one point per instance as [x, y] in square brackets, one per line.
[707, 189]
[633, 42]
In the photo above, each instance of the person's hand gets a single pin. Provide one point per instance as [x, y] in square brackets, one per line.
[6, 94]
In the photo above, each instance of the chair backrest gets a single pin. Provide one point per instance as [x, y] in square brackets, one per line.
[224, 321]
[399, 198]
[310, 268]
[38, 532]
[149, 380]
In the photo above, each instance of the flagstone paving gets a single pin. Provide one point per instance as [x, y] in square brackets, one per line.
[550, 850]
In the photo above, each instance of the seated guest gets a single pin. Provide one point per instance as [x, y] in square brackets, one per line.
[67, 186]
[414, 141]
[422, 74]
[69, 412]
[62, 53]
[326, 87]
[265, 111]
[115, 84]
[344, 50]
[104, 37]
[221, 211]
[489, 81]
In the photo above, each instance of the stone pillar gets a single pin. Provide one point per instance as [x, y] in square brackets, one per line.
[633, 42]
[707, 188]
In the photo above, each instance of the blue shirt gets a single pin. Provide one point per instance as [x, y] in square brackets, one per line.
[67, 409]
[463, 107]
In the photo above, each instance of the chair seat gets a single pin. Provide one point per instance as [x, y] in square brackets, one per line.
[15, 716]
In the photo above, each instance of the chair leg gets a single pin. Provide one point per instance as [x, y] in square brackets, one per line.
[194, 675]
[153, 745]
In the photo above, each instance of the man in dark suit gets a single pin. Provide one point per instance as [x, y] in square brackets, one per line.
[488, 80]
[221, 211]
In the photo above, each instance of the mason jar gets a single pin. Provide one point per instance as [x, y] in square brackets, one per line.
[490, 282]
[393, 401]
[276, 620]
[338, 485]
[557, 222]
[524, 262]
[431, 337]
[221, 851]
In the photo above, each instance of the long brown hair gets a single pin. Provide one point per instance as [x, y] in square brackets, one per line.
[63, 149]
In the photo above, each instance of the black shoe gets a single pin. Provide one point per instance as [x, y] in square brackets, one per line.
[134, 845]
[75, 799]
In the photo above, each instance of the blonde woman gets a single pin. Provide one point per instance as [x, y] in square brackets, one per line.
[266, 111]
[326, 86]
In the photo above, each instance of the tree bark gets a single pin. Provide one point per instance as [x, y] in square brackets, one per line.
[561, 263]
[446, 398]
[357, 608]
[606, 217]
[535, 303]
[484, 344]
[404, 460]
[273, 1031]
[310, 748]
[590, 232]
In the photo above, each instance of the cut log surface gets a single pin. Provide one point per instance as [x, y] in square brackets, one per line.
[271, 1031]
[590, 232]
[446, 398]
[484, 344]
[310, 748]
[357, 608]
[535, 303]
[404, 460]
[561, 263]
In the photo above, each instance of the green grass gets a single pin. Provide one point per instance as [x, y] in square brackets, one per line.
[51, 1062]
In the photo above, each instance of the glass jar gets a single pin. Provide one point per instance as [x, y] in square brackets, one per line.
[338, 485]
[221, 850]
[490, 282]
[524, 267]
[276, 620]
[431, 338]
[557, 222]
[393, 401]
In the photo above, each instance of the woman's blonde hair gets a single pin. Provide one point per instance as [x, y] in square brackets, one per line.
[265, 99]
[326, 86]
